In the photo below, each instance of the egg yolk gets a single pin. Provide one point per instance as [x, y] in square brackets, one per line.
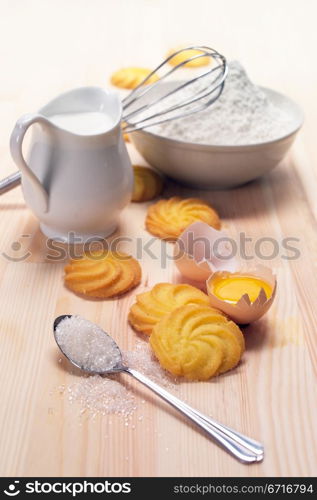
[231, 289]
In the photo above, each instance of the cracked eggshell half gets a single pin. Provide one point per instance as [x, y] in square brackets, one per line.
[244, 311]
[201, 250]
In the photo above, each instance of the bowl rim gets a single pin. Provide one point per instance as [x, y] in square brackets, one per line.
[235, 147]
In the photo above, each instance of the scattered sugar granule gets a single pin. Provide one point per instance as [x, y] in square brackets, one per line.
[87, 344]
[143, 360]
[113, 394]
[243, 114]
[102, 395]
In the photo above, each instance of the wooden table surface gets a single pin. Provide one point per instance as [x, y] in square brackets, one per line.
[50, 46]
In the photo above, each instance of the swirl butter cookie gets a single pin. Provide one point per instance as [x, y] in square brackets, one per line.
[167, 219]
[147, 184]
[129, 78]
[196, 342]
[102, 274]
[151, 306]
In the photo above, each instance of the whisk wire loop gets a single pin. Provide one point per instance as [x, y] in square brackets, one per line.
[188, 105]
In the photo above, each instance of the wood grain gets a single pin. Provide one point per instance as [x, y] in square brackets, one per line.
[272, 394]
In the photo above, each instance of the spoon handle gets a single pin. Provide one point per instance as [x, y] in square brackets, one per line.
[241, 447]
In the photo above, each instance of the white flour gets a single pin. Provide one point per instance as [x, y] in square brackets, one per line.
[242, 115]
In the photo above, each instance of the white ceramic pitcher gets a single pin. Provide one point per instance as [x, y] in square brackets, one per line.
[75, 184]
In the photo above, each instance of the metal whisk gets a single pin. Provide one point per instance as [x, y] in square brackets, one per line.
[139, 108]
[198, 100]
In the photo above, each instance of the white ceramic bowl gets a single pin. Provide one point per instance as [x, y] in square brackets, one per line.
[216, 167]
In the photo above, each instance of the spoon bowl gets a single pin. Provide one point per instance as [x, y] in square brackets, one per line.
[116, 368]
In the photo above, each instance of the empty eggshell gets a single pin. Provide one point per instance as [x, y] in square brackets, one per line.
[201, 250]
[244, 311]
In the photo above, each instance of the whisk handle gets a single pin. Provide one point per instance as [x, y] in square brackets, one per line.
[246, 450]
[10, 182]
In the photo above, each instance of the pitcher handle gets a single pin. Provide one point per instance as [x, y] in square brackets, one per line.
[16, 141]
